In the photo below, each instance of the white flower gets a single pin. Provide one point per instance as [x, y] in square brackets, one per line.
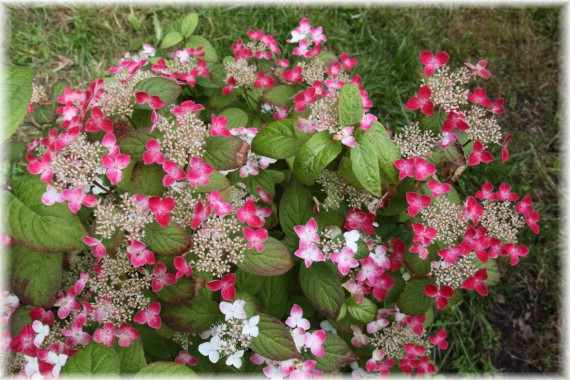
[351, 238]
[42, 332]
[32, 366]
[250, 327]
[296, 37]
[58, 361]
[234, 310]
[235, 359]
[12, 300]
[325, 325]
[298, 335]
[210, 349]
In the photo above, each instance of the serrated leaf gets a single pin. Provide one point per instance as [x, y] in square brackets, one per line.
[170, 241]
[18, 319]
[164, 88]
[17, 83]
[143, 179]
[387, 152]
[322, 287]
[365, 167]
[281, 95]
[337, 354]
[36, 277]
[295, 207]
[279, 139]
[350, 109]
[274, 340]
[44, 114]
[364, 311]
[156, 346]
[217, 182]
[248, 281]
[226, 153]
[94, 359]
[189, 24]
[39, 227]
[171, 39]
[314, 156]
[131, 358]
[162, 369]
[194, 317]
[413, 300]
[184, 290]
[236, 118]
[274, 260]
[134, 144]
[210, 53]
[273, 295]
[347, 173]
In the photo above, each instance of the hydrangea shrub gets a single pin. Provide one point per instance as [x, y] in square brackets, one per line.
[191, 214]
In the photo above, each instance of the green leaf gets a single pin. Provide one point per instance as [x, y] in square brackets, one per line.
[217, 182]
[236, 117]
[350, 109]
[18, 319]
[274, 340]
[281, 95]
[365, 166]
[131, 358]
[36, 277]
[249, 282]
[226, 153]
[295, 207]
[279, 139]
[322, 288]
[274, 260]
[398, 287]
[346, 172]
[157, 346]
[171, 39]
[273, 295]
[95, 359]
[189, 24]
[143, 179]
[44, 114]
[266, 179]
[164, 88]
[18, 92]
[493, 274]
[364, 311]
[210, 53]
[164, 369]
[134, 144]
[171, 241]
[39, 227]
[337, 354]
[194, 317]
[418, 266]
[184, 290]
[387, 152]
[412, 300]
[314, 156]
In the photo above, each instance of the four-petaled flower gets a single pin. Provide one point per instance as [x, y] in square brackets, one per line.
[227, 284]
[255, 238]
[149, 316]
[432, 62]
[422, 101]
[441, 294]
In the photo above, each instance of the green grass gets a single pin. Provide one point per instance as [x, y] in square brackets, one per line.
[522, 46]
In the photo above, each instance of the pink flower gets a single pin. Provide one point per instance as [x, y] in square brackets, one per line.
[115, 161]
[416, 323]
[221, 207]
[479, 96]
[407, 167]
[486, 192]
[51, 196]
[424, 366]
[41, 167]
[358, 339]
[451, 254]
[477, 282]
[304, 98]
[441, 295]
[347, 62]
[422, 101]
[138, 254]
[294, 75]
[201, 213]
[281, 113]
[479, 69]
[173, 173]
[296, 319]
[357, 219]
[99, 249]
[423, 234]
[149, 316]
[106, 335]
[479, 155]
[227, 284]
[183, 267]
[432, 62]
[307, 233]
[153, 153]
[185, 107]
[439, 339]
[199, 172]
[423, 169]
[416, 203]
[497, 107]
[369, 270]
[310, 254]
[126, 334]
[161, 278]
[346, 137]
[218, 126]
[345, 260]
[473, 210]
[161, 209]
[98, 121]
[524, 207]
[248, 214]
[505, 193]
[255, 238]
[265, 196]
[109, 140]
[367, 120]
[154, 102]
[263, 81]
[76, 335]
[66, 304]
[80, 283]
[315, 342]
[231, 84]
[532, 222]
[24, 342]
[185, 358]
[437, 188]
[455, 120]
[515, 252]
[382, 284]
